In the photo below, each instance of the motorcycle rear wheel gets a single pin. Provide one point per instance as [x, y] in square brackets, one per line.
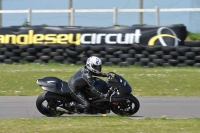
[128, 107]
[47, 102]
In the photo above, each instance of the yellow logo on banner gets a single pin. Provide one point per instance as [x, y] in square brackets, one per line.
[153, 39]
[160, 37]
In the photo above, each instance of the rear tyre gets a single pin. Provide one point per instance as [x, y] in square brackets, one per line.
[128, 107]
[47, 102]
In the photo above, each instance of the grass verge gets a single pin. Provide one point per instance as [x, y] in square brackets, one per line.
[99, 125]
[20, 80]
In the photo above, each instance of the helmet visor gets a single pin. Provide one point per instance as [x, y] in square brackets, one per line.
[97, 67]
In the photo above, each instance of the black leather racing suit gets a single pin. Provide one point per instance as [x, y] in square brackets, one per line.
[80, 80]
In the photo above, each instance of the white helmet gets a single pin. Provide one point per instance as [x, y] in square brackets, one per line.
[94, 64]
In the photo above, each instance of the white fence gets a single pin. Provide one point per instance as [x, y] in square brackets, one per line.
[115, 10]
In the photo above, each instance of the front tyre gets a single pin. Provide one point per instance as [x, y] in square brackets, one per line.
[128, 107]
[47, 102]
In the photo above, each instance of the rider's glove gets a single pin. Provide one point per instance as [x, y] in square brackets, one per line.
[104, 96]
[105, 74]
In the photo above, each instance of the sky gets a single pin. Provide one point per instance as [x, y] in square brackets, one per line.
[190, 20]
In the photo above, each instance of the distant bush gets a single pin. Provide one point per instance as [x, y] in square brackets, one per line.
[193, 36]
[26, 23]
[178, 25]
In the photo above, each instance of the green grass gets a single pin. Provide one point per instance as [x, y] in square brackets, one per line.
[99, 125]
[193, 36]
[20, 79]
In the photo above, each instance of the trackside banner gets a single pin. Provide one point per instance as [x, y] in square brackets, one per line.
[144, 35]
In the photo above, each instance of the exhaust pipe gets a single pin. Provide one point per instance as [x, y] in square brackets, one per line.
[62, 109]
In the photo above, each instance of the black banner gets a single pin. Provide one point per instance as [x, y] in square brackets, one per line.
[145, 35]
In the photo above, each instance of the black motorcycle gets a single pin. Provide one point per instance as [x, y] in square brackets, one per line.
[121, 102]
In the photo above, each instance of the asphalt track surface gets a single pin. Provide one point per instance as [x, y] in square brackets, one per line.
[151, 107]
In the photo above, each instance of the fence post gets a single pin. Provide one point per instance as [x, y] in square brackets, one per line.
[29, 16]
[157, 16]
[1, 13]
[114, 16]
[72, 17]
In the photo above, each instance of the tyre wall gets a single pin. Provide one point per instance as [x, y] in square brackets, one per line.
[128, 55]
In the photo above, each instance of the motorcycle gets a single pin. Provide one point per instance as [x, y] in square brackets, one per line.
[51, 103]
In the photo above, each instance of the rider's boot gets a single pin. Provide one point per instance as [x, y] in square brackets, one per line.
[70, 105]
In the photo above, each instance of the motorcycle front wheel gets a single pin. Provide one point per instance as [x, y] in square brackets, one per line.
[128, 107]
[47, 102]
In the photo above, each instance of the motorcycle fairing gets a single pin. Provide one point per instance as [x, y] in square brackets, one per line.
[119, 82]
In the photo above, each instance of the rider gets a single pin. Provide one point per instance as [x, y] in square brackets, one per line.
[82, 79]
